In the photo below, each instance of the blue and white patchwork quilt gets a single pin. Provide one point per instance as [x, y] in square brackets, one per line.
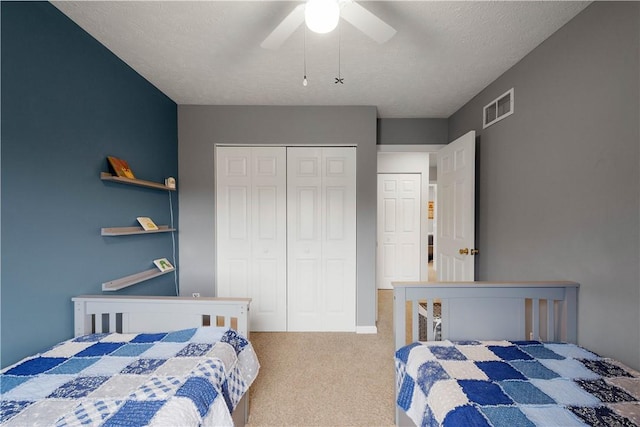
[191, 377]
[519, 383]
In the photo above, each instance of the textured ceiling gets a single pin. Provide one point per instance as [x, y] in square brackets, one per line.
[208, 52]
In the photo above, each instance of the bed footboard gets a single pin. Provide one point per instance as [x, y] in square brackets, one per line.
[487, 310]
[135, 314]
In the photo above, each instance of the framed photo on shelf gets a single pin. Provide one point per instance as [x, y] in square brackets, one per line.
[163, 264]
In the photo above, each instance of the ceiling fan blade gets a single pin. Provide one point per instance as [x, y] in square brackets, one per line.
[366, 22]
[284, 29]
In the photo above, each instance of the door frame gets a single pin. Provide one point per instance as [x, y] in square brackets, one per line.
[391, 159]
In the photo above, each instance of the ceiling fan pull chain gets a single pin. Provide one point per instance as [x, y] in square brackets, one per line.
[304, 54]
[339, 79]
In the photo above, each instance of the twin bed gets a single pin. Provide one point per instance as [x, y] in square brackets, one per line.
[167, 361]
[492, 354]
[502, 354]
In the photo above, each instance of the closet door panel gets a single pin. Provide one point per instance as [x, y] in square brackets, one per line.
[304, 249]
[269, 275]
[237, 205]
[251, 231]
[237, 275]
[339, 238]
[335, 286]
[306, 211]
[267, 271]
[335, 211]
[233, 211]
[304, 288]
[321, 199]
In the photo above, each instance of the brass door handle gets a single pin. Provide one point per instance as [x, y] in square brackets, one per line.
[467, 251]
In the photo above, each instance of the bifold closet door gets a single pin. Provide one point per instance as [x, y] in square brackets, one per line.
[321, 237]
[251, 231]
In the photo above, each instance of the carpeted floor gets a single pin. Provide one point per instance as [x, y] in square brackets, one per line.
[326, 378]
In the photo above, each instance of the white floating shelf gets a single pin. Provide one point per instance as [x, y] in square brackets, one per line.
[124, 231]
[105, 176]
[124, 282]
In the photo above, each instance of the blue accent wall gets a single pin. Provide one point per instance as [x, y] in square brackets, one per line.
[67, 103]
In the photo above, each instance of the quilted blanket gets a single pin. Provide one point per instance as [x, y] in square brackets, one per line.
[182, 378]
[520, 383]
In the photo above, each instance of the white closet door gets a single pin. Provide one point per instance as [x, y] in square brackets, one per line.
[233, 221]
[321, 214]
[251, 231]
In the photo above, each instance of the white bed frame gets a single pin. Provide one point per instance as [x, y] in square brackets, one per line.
[485, 311]
[137, 314]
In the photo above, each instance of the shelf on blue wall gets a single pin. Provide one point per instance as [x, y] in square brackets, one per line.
[125, 231]
[123, 282]
[105, 176]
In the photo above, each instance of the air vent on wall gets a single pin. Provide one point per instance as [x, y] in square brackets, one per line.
[498, 109]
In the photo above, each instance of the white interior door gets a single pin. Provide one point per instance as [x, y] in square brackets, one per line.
[321, 238]
[398, 228]
[251, 231]
[456, 210]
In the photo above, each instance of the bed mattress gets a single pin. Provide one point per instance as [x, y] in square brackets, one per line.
[521, 383]
[188, 377]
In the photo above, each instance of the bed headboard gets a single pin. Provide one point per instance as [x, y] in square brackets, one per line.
[488, 310]
[135, 314]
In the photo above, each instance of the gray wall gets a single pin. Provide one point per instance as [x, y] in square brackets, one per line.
[201, 127]
[558, 180]
[413, 131]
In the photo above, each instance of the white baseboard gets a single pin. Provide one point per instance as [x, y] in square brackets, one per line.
[366, 330]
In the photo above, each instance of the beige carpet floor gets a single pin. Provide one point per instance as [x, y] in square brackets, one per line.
[326, 378]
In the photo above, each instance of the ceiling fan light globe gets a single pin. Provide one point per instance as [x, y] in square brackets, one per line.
[322, 16]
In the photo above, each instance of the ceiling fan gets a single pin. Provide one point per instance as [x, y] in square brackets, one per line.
[332, 10]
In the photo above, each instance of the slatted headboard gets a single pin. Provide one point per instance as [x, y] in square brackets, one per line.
[488, 310]
[135, 314]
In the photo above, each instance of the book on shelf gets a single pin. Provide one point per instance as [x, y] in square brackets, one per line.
[163, 264]
[120, 167]
[147, 223]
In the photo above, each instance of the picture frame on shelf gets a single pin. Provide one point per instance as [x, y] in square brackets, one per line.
[163, 264]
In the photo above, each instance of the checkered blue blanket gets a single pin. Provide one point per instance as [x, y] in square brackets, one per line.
[182, 378]
[523, 383]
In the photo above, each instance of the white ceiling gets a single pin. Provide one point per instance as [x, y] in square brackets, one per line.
[208, 52]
